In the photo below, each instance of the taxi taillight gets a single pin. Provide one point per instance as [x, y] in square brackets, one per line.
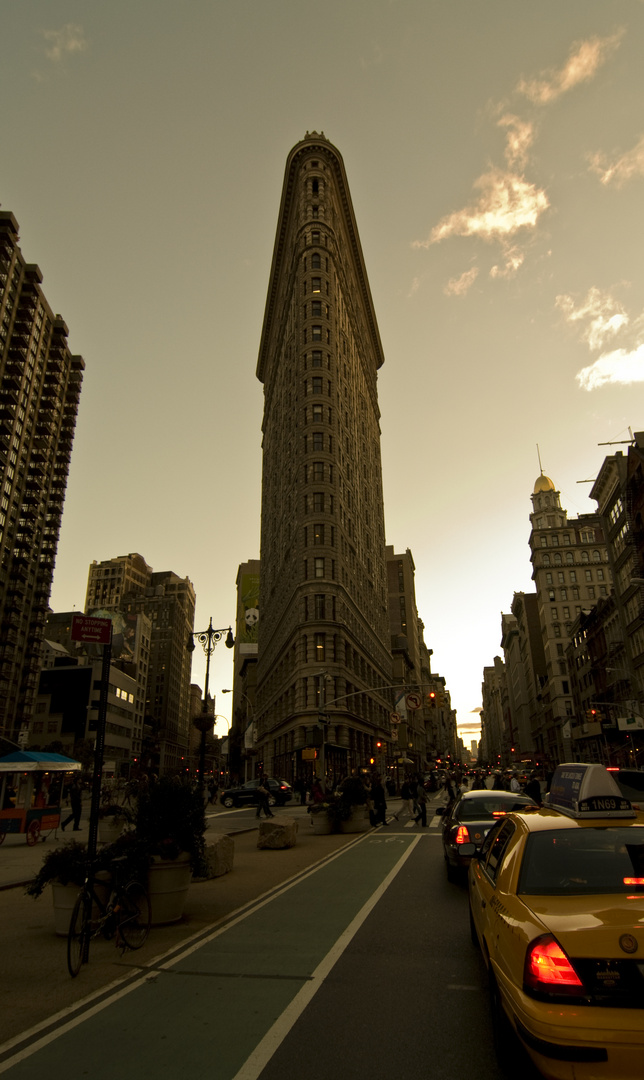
[547, 968]
[462, 835]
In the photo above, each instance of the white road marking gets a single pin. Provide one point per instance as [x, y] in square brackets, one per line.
[265, 1049]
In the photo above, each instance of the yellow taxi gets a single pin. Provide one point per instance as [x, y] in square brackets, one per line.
[557, 906]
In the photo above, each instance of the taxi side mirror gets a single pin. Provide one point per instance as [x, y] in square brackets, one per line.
[470, 850]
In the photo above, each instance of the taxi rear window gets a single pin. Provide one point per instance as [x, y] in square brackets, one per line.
[488, 806]
[581, 861]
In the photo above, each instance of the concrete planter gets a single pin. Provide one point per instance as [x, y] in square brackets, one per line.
[109, 829]
[168, 885]
[357, 823]
[321, 823]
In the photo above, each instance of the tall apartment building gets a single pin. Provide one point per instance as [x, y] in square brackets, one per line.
[40, 384]
[324, 627]
[570, 570]
[127, 585]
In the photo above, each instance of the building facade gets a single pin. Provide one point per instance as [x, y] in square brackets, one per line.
[323, 640]
[40, 384]
[128, 586]
[570, 570]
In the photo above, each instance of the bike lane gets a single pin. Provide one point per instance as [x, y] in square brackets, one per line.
[223, 1004]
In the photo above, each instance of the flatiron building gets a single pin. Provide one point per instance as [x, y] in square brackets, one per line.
[324, 654]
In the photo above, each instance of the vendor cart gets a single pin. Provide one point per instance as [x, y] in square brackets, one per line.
[31, 785]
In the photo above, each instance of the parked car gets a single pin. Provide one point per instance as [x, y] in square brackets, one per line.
[631, 784]
[469, 819]
[246, 794]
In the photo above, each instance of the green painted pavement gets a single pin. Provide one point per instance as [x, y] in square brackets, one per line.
[204, 1015]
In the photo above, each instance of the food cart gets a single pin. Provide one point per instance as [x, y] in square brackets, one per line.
[31, 785]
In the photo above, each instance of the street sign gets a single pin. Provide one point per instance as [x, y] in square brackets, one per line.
[395, 717]
[413, 701]
[87, 628]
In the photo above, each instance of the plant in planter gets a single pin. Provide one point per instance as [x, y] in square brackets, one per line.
[112, 819]
[64, 868]
[352, 799]
[322, 818]
[66, 865]
[168, 836]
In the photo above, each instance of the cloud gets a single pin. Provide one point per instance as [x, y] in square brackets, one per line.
[621, 170]
[519, 139]
[507, 204]
[619, 367]
[514, 258]
[603, 315]
[585, 58]
[461, 285]
[62, 43]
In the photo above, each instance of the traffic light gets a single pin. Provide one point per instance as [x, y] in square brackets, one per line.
[378, 746]
[591, 714]
[431, 697]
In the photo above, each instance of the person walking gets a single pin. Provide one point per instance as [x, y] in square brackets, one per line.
[408, 802]
[421, 802]
[76, 804]
[263, 791]
[379, 813]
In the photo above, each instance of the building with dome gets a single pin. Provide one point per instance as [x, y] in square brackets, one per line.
[571, 573]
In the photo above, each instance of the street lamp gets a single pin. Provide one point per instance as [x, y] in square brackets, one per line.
[208, 639]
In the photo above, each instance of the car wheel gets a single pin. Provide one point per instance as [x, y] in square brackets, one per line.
[227, 801]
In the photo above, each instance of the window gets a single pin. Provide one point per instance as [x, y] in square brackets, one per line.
[570, 558]
[600, 575]
[316, 358]
[596, 556]
[315, 260]
[320, 605]
[573, 575]
[497, 847]
[318, 501]
[548, 579]
[560, 577]
[316, 384]
[553, 614]
[318, 533]
[317, 414]
[591, 592]
[563, 594]
[319, 567]
[318, 439]
[316, 308]
[555, 541]
[544, 541]
[316, 284]
[318, 470]
[557, 559]
[546, 560]
[316, 333]
[588, 574]
[315, 239]
[320, 646]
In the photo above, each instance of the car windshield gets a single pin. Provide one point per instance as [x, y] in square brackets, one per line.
[488, 807]
[581, 861]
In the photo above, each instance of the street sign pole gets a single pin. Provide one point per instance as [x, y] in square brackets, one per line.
[99, 750]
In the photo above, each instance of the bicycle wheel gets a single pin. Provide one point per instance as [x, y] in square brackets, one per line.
[79, 933]
[135, 915]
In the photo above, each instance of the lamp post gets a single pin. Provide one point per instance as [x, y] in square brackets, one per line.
[208, 639]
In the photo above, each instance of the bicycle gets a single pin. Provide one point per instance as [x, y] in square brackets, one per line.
[126, 915]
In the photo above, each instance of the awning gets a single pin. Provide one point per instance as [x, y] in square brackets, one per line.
[35, 761]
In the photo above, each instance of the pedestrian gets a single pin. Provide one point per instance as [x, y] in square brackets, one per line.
[515, 786]
[367, 783]
[408, 802]
[213, 788]
[497, 783]
[76, 804]
[263, 791]
[379, 813]
[533, 788]
[478, 784]
[421, 802]
[317, 791]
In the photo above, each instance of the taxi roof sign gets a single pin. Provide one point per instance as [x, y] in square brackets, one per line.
[587, 791]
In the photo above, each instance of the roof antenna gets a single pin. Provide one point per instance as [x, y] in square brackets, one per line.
[539, 456]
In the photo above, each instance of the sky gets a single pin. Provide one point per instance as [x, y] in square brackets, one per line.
[495, 156]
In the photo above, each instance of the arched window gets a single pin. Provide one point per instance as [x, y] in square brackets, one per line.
[584, 557]
[570, 557]
[596, 556]
[546, 560]
[557, 559]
